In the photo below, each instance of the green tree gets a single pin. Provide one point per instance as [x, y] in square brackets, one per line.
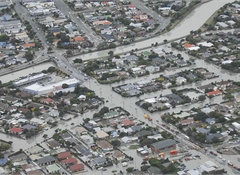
[29, 56]
[64, 86]
[116, 143]
[51, 69]
[201, 98]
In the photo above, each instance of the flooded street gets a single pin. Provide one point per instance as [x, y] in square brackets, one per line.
[192, 22]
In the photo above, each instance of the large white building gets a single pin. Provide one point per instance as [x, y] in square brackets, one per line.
[39, 89]
[30, 79]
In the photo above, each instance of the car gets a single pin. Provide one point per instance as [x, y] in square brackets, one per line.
[124, 164]
[104, 169]
[157, 121]
[180, 160]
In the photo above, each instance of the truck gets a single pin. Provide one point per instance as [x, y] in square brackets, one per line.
[173, 152]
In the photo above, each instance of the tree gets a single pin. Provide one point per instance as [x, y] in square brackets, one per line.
[64, 86]
[112, 45]
[51, 69]
[130, 169]
[201, 98]
[29, 56]
[49, 49]
[45, 136]
[110, 53]
[116, 143]
[4, 38]
[77, 60]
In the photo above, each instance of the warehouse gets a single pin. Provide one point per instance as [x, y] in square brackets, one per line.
[39, 89]
[30, 79]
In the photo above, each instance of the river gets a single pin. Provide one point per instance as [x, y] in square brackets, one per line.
[25, 72]
[192, 22]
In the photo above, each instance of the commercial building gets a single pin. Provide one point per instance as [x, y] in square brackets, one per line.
[30, 79]
[163, 145]
[38, 89]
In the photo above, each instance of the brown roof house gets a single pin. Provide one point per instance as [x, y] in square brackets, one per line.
[101, 134]
[118, 155]
[53, 144]
[104, 145]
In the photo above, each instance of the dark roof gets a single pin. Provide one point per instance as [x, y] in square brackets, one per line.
[211, 136]
[136, 128]
[154, 170]
[45, 160]
[143, 133]
[163, 144]
[53, 143]
[203, 130]
[28, 127]
[82, 149]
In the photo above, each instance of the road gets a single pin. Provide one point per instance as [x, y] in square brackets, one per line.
[192, 22]
[64, 8]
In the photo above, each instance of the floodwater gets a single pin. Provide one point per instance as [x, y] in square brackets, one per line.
[25, 72]
[192, 22]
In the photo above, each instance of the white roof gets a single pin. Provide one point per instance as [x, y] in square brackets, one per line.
[101, 134]
[29, 78]
[136, 69]
[194, 48]
[193, 172]
[150, 100]
[236, 125]
[205, 44]
[207, 169]
[40, 88]
[210, 164]
[227, 62]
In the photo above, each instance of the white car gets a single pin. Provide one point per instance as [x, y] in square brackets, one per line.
[124, 164]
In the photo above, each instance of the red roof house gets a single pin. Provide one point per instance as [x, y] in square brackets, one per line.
[46, 100]
[15, 130]
[214, 93]
[77, 167]
[64, 155]
[127, 123]
[70, 161]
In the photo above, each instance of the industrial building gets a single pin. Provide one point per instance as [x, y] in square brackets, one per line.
[30, 79]
[40, 89]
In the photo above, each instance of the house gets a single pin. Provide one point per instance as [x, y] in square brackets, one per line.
[64, 155]
[127, 123]
[80, 130]
[101, 134]
[76, 167]
[223, 84]
[47, 160]
[53, 144]
[104, 145]
[53, 169]
[18, 157]
[46, 101]
[108, 38]
[210, 137]
[28, 45]
[181, 80]
[166, 84]
[168, 144]
[202, 130]
[99, 161]
[187, 121]
[10, 100]
[118, 155]
[69, 162]
[214, 93]
[143, 133]
[210, 121]
[15, 130]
